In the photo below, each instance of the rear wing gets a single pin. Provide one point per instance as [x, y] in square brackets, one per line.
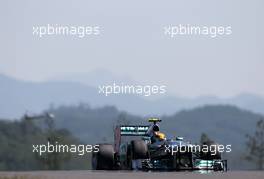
[127, 130]
[133, 130]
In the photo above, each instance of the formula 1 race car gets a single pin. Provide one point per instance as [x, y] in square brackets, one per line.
[146, 148]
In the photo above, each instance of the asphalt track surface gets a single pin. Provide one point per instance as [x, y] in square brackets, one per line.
[129, 175]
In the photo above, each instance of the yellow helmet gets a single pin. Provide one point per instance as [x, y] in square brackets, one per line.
[160, 135]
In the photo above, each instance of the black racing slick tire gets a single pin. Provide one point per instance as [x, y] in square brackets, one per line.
[104, 159]
[139, 149]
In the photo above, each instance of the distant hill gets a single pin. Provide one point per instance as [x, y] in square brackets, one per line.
[95, 78]
[17, 97]
[218, 121]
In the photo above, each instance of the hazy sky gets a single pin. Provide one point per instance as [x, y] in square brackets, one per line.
[132, 43]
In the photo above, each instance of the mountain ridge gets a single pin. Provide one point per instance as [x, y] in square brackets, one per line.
[18, 96]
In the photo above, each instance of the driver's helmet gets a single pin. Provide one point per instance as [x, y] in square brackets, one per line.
[155, 128]
[160, 136]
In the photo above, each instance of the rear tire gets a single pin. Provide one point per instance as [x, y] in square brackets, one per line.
[104, 159]
[139, 149]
